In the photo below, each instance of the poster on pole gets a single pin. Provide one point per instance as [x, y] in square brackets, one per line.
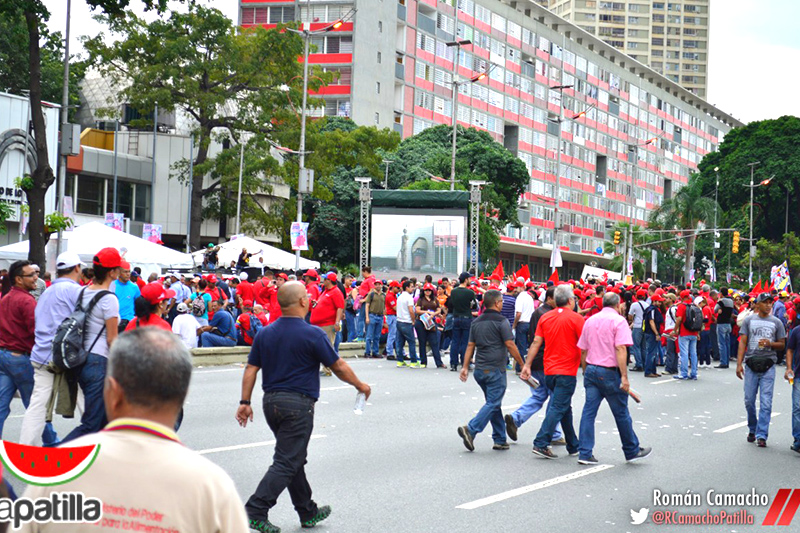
[299, 236]
[115, 220]
[654, 262]
[152, 233]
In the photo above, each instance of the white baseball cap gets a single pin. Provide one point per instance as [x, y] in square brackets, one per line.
[243, 276]
[68, 260]
[183, 308]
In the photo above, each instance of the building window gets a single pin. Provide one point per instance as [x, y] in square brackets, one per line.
[377, 118]
[378, 87]
[380, 26]
[379, 58]
[91, 194]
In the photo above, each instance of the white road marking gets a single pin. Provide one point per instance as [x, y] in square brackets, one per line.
[737, 426]
[343, 387]
[530, 488]
[245, 446]
[204, 371]
[670, 380]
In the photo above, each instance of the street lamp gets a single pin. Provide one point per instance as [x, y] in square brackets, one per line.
[305, 182]
[750, 240]
[458, 44]
[555, 256]
[716, 233]
[386, 176]
[634, 148]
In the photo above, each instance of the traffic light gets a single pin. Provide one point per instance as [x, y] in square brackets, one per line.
[616, 238]
[735, 247]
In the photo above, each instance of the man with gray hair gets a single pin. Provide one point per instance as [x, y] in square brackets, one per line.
[491, 334]
[149, 370]
[604, 358]
[559, 330]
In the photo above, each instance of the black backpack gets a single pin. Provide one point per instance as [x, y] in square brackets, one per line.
[694, 318]
[68, 351]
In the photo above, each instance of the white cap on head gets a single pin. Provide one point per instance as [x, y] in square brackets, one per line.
[68, 260]
[699, 300]
[183, 308]
[243, 276]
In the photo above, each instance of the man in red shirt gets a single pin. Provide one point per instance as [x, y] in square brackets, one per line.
[17, 321]
[559, 330]
[245, 288]
[687, 339]
[704, 349]
[329, 311]
[363, 290]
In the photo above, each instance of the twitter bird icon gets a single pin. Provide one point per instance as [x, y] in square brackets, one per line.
[639, 517]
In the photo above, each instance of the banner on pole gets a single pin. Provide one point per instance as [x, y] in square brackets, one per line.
[115, 220]
[152, 233]
[654, 262]
[299, 236]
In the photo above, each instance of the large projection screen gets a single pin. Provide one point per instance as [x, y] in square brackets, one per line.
[417, 242]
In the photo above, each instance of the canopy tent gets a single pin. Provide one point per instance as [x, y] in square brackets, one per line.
[274, 258]
[589, 271]
[88, 238]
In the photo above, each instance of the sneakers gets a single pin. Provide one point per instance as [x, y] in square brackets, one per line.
[795, 447]
[415, 365]
[322, 513]
[453, 368]
[652, 375]
[544, 452]
[511, 427]
[590, 461]
[761, 443]
[264, 526]
[559, 442]
[721, 366]
[391, 358]
[501, 446]
[465, 435]
[751, 437]
[643, 452]
[402, 364]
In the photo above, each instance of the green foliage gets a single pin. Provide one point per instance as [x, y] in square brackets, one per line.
[57, 222]
[6, 212]
[773, 253]
[25, 183]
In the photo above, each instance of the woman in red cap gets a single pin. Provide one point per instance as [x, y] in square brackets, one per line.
[150, 307]
[428, 310]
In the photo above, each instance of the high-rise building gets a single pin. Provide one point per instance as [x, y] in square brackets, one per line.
[670, 36]
[630, 138]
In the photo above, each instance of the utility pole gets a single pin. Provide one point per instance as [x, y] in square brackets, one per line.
[62, 171]
[750, 242]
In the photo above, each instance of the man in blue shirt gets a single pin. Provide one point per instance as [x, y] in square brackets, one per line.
[127, 291]
[221, 329]
[792, 363]
[290, 352]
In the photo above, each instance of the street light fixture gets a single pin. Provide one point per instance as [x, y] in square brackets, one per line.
[458, 44]
[750, 240]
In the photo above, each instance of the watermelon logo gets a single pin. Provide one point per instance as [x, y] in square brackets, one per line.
[47, 466]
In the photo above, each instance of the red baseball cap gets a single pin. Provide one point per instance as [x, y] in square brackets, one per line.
[311, 273]
[394, 283]
[212, 279]
[282, 276]
[124, 265]
[685, 294]
[331, 276]
[156, 293]
[657, 298]
[107, 258]
[247, 303]
[428, 287]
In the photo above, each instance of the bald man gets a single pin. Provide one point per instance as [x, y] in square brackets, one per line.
[290, 352]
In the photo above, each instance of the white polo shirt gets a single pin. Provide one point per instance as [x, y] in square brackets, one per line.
[524, 306]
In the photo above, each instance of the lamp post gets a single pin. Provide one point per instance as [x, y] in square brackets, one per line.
[305, 182]
[629, 240]
[386, 176]
[62, 171]
[555, 256]
[716, 234]
[750, 240]
[475, 233]
[458, 44]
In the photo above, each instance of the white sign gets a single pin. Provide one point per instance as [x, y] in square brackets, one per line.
[654, 262]
[152, 233]
[115, 220]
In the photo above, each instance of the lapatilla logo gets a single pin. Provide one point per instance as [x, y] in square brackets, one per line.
[639, 517]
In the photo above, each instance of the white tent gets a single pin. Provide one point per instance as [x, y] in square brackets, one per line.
[87, 239]
[274, 258]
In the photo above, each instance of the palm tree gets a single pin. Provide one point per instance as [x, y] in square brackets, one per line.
[683, 212]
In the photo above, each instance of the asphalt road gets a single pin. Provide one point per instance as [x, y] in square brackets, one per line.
[401, 467]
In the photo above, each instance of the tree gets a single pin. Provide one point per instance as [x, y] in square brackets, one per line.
[36, 14]
[227, 80]
[683, 212]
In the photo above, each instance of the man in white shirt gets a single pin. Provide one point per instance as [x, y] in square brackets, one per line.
[405, 325]
[185, 326]
[141, 464]
[635, 319]
[523, 311]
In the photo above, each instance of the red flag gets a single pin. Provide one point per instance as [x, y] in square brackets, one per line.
[523, 272]
[554, 277]
[605, 276]
[757, 288]
[498, 272]
[771, 287]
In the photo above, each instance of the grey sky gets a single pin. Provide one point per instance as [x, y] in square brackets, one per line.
[754, 52]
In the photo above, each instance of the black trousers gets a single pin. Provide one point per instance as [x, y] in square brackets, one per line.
[290, 416]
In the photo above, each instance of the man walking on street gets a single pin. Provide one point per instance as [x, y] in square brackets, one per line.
[760, 338]
[329, 309]
[559, 330]
[391, 318]
[687, 338]
[289, 353]
[406, 315]
[376, 306]
[461, 303]
[491, 335]
[604, 361]
[523, 311]
[726, 313]
[56, 303]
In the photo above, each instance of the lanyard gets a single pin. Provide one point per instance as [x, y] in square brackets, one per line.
[129, 424]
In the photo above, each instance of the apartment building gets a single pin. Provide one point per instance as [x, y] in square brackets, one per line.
[396, 71]
[670, 37]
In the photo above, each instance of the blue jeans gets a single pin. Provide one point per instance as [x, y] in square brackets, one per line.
[653, 343]
[208, 340]
[534, 403]
[91, 377]
[447, 335]
[724, 341]
[374, 334]
[458, 347]
[671, 364]
[405, 334]
[638, 347]
[704, 348]
[521, 339]
[493, 385]
[428, 337]
[391, 338]
[559, 409]
[688, 348]
[337, 340]
[796, 411]
[361, 322]
[763, 385]
[603, 383]
[350, 319]
[16, 373]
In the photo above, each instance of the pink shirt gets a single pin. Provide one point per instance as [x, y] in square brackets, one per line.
[601, 334]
